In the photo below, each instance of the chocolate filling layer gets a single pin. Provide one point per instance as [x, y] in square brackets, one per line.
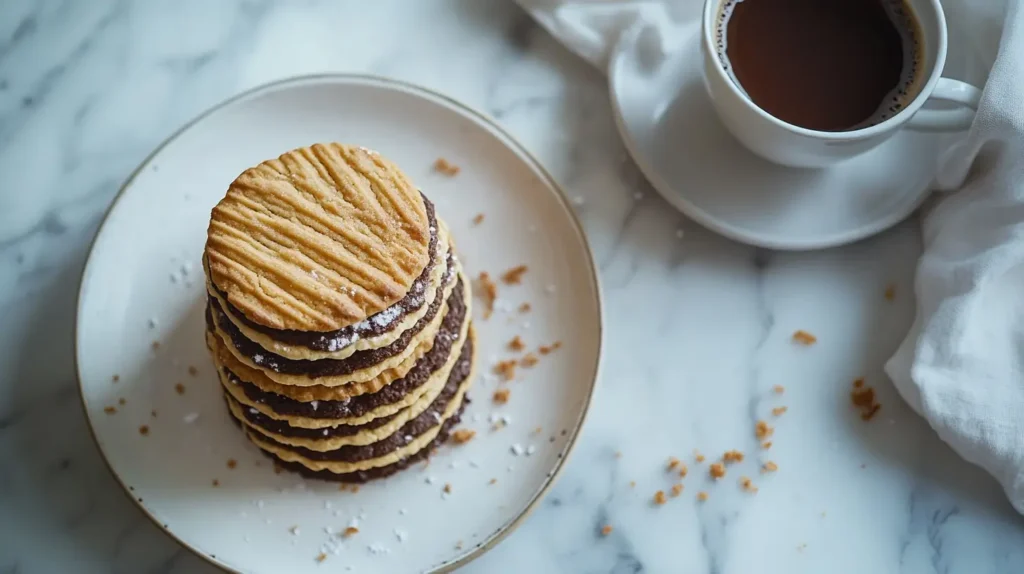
[427, 420]
[372, 473]
[376, 324]
[327, 367]
[360, 405]
[458, 374]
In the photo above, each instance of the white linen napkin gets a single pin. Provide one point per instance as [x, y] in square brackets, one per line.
[962, 364]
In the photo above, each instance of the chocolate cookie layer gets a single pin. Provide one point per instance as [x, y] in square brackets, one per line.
[427, 420]
[459, 372]
[374, 325]
[372, 473]
[362, 404]
[328, 367]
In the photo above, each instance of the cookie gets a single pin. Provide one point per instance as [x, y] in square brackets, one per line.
[373, 332]
[318, 239]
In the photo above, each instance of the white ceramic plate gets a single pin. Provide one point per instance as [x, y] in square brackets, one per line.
[143, 284]
[670, 128]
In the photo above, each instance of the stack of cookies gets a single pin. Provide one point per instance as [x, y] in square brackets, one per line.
[338, 315]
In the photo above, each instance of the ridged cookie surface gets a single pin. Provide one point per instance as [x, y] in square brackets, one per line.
[317, 239]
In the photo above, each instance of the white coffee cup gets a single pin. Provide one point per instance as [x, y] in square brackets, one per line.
[787, 144]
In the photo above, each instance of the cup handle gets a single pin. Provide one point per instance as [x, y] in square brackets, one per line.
[959, 119]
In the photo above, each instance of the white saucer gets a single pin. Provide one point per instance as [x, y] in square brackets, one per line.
[672, 132]
[144, 265]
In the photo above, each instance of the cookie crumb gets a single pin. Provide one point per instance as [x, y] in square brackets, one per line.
[155, 345]
[516, 344]
[216, 483]
[606, 530]
[548, 349]
[507, 369]
[717, 470]
[152, 413]
[779, 411]
[115, 378]
[632, 484]
[747, 484]
[514, 276]
[529, 360]
[538, 430]
[492, 481]
[489, 292]
[732, 456]
[179, 388]
[143, 430]
[779, 389]
[121, 401]
[697, 456]
[864, 399]
[769, 467]
[349, 531]
[355, 488]
[232, 463]
[762, 430]
[890, 292]
[478, 219]
[501, 396]
[702, 496]
[462, 436]
[683, 470]
[525, 308]
[192, 371]
[321, 557]
[442, 165]
[659, 497]
[766, 444]
[673, 462]
[110, 410]
[677, 489]
[447, 488]
[804, 338]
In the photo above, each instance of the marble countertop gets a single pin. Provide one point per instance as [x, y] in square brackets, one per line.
[699, 327]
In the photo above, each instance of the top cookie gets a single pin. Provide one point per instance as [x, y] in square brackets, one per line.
[318, 239]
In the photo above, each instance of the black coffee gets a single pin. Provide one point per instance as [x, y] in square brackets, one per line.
[828, 65]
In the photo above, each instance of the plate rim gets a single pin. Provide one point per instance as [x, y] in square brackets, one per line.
[717, 225]
[418, 91]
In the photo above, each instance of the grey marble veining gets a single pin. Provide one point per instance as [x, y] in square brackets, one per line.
[698, 331]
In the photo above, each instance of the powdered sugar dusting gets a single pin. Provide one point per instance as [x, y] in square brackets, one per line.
[387, 316]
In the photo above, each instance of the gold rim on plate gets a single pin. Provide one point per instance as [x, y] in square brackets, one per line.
[508, 140]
